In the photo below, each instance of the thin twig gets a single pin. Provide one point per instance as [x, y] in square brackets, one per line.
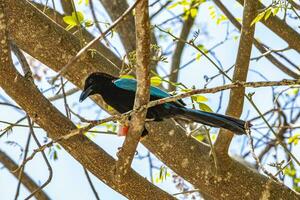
[90, 44]
[44, 157]
[20, 176]
[91, 183]
[250, 142]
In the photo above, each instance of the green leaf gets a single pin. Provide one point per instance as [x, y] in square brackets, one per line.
[128, 76]
[88, 23]
[235, 38]
[293, 91]
[69, 20]
[79, 16]
[199, 137]
[156, 81]
[198, 56]
[258, 18]
[204, 107]
[72, 20]
[55, 157]
[297, 180]
[268, 13]
[199, 98]
[290, 172]
[86, 2]
[275, 11]
[294, 139]
[173, 6]
[221, 19]
[193, 12]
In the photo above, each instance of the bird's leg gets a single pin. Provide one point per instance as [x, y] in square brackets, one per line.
[124, 126]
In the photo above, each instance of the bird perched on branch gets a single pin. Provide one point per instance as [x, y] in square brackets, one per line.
[119, 93]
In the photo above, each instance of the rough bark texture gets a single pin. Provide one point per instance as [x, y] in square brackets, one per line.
[142, 95]
[46, 41]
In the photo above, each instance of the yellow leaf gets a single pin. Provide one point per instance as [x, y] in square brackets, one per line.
[69, 20]
[199, 98]
[128, 76]
[198, 56]
[193, 12]
[78, 15]
[156, 81]
[173, 5]
[205, 107]
[199, 137]
[258, 18]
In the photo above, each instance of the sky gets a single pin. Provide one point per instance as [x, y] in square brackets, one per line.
[69, 181]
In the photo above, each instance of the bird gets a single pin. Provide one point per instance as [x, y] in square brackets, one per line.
[119, 93]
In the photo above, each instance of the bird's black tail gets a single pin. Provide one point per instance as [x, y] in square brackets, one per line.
[237, 126]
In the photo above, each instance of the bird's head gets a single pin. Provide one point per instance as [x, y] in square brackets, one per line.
[94, 84]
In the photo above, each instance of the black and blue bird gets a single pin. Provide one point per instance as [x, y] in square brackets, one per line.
[119, 93]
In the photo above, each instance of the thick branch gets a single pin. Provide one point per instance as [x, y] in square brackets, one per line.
[142, 95]
[236, 100]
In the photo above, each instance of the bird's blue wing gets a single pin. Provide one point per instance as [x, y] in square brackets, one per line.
[131, 84]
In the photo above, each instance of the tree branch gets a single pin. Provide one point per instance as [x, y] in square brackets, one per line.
[142, 95]
[236, 99]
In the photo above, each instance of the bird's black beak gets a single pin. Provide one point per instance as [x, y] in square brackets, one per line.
[85, 93]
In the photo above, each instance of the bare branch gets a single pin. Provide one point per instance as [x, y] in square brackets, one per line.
[236, 100]
[142, 96]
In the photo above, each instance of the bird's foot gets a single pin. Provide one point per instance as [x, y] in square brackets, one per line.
[123, 130]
